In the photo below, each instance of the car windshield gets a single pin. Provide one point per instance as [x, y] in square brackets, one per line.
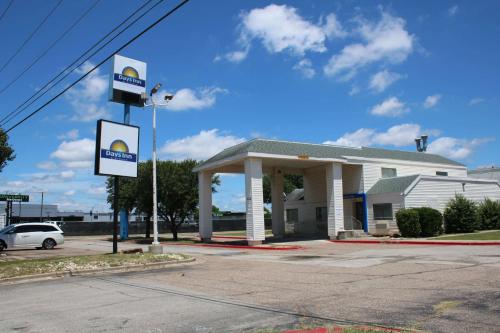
[6, 229]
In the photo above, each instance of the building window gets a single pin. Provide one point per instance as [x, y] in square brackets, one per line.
[292, 215]
[382, 211]
[321, 214]
[389, 172]
[441, 173]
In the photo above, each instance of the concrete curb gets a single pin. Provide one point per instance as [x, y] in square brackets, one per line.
[403, 242]
[117, 269]
[247, 247]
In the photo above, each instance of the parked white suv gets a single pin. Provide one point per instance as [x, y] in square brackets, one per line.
[38, 235]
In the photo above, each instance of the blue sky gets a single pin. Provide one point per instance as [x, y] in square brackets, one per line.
[343, 72]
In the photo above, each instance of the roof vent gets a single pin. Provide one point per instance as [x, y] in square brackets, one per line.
[422, 143]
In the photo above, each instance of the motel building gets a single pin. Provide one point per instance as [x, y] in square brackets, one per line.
[346, 190]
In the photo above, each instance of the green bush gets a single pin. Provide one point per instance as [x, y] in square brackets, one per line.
[408, 224]
[431, 221]
[460, 215]
[489, 215]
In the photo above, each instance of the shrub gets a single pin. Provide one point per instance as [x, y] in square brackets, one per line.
[460, 215]
[408, 224]
[431, 221]
[489, 215]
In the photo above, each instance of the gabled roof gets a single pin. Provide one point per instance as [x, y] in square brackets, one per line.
[324, 151]
[392, 185]
[297, 194]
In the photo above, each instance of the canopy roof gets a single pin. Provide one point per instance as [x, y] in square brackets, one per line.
[322, 151]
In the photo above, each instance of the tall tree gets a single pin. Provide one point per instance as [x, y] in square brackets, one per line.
[6, 151]
[178, 192]
[127, 198]
[145, 193]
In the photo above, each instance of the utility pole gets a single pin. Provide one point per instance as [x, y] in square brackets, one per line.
[41, 209]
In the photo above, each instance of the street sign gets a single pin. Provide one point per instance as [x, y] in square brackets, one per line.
[117, 149]
[127, 81]
[15, 197]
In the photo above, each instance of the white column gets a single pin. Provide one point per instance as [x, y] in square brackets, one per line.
[205, 204]
[278, 206]
[334, 199]
[254, 201]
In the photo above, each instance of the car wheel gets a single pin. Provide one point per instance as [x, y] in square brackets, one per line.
[49, 244]
[2, 246]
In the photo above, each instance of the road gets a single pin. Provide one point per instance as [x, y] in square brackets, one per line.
[433, 288]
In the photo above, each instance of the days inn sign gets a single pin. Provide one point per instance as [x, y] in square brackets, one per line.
[128, 81]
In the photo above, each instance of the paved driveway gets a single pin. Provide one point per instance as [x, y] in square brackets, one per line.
[435, 288]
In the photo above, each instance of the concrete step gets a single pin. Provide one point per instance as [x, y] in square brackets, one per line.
[347, 234]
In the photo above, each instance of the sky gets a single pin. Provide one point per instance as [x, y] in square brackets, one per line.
[355, 73]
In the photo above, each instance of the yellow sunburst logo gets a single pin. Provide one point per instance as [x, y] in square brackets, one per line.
[130, 72]
[119, 145]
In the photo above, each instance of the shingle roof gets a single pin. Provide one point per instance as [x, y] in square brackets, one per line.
[392, 185]
[297, 194]
[324, 151]
[484, 170]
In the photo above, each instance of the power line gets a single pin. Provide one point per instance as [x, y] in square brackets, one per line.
[67, 71]
[26, 41]
[81, 17]
[6, 9]
[167, 14]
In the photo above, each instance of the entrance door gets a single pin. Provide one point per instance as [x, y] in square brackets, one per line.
[359, 214]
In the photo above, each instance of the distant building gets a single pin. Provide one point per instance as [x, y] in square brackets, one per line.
[486, 173]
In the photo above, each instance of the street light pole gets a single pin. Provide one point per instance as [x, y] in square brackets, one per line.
[155, 197]
[155, 89]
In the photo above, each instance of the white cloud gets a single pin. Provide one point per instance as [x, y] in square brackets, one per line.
[281, 29]
[455, 148]
[398, 136]
[200, 146]
[386, 40]
[305, 68]
[46, 165]
[476, 101]
[333, 28]
[85, 96]
[453, 10]
[76, 154]
[188, 99]
[383, 79]
[70, 135]
[431, 101]
[354, 90]
[97, 190]
[70, 193]
[391, 107]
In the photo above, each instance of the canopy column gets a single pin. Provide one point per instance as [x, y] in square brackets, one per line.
[254, 201]
[278, 205]
[334, 199]
[205, 205]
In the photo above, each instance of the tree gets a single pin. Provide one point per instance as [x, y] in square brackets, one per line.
[178, 192]
[145, 193]
[290, 183]
[127, 196]
[460, 215]
[6, 151]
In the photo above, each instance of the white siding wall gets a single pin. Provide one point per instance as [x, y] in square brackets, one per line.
[397, 203]
[352, 176]
[372, 171]
[437, 193]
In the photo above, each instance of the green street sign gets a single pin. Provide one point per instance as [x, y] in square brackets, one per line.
[15, 197]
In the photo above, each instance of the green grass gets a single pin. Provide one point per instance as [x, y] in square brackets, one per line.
[484, 235]
[61, 264]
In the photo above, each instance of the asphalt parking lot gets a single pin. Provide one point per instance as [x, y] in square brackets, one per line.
[432, 288]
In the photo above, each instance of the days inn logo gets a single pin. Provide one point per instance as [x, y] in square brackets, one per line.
[118, 150]
[131, 76]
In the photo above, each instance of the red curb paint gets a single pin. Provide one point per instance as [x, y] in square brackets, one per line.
[338, 329]
[288, 248]
[230, 237]
[396, 242]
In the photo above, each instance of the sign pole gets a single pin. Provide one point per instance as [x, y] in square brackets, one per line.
[115, 214]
